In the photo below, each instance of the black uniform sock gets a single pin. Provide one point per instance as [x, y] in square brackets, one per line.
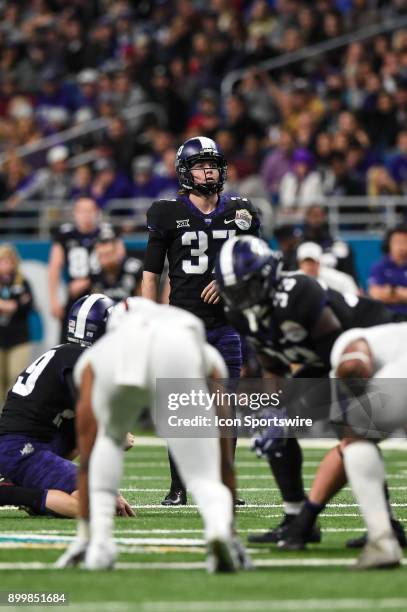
[176, 482]
[286, 465]
[11, 495]
[306, 519]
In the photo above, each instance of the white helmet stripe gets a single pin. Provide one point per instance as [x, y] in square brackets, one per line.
[207, 143]
[226, 262]
[83, 313]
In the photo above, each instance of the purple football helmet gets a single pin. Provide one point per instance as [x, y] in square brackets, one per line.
[87, 319]
[197, 149]
[247, 272]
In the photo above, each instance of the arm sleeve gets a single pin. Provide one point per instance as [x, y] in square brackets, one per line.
[255, 228]
[157, 245]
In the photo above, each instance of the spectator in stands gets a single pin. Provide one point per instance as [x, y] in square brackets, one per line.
[277, 163]
[388, 276]
[239, 121]
[337, 253]
[310, 259]
[81, 182]
[145, 183]
[288, 238]
[338, 180]
[206, 120]
[380, 182]
[52, 183]
[118, 143]
[87, 81]
[301, 186]
[15, 305]
[119, 276]
[109, 183]
[171, 102]
[398, 162]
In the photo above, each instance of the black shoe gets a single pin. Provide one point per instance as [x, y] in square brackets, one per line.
[274, 535]
[398, 530]
[239, 502]
[175, 497]
[296, 539]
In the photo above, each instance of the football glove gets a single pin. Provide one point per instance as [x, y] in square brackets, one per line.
[271, 437]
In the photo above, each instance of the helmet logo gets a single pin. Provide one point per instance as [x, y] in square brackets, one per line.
[243, 219]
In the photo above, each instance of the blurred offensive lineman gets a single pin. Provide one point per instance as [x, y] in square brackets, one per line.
[117, 378]
[290, 319]
[37, 433]
[368, 356]
[190, 231]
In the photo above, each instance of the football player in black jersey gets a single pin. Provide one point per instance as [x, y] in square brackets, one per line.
[72, 253]
[119, 276]
[37, 429]
[290, 319]
[190, 231]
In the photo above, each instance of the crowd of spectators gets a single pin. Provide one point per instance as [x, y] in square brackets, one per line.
[333, 125]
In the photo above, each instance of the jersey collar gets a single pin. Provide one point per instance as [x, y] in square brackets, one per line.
[216, 211]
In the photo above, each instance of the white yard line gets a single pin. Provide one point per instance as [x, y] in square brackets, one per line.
[194, 565]
[274, 605]
[280, 605]
[315, 444]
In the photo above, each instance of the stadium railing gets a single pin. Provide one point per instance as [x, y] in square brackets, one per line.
[372, 215]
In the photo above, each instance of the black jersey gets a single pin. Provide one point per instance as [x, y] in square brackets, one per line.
[122, 284]
[191, 240]
[80, 257]
[282, 330]
[40, 400]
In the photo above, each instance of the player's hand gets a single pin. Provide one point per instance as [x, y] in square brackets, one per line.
[272, 437]
[78, 286]
[57, 309]
[130, 441]
[123, 508]
[74, 554]
[210, 294]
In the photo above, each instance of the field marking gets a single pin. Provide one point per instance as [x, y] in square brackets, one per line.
[268, 476]
[240, 509]
[241, 489]
[279, 605]
[283, 605]
[314, 444]
[192, 565]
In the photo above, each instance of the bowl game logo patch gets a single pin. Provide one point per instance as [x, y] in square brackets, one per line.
[243, 219]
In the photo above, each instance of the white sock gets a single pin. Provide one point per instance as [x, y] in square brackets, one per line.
[293, 507]
[198, 461]
[105, 472]
[365, 472]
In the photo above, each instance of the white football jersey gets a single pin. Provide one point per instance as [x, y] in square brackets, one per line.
[388, 343]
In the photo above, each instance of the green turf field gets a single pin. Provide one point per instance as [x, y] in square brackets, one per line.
[161, 563]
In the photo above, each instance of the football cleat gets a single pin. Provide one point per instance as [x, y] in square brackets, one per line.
[245, 562]
[278, 533]
[101, 555]
[398, 531]
[239, 502]
[382, 553]
[175, 497]
[223, 557]
[74, 554]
